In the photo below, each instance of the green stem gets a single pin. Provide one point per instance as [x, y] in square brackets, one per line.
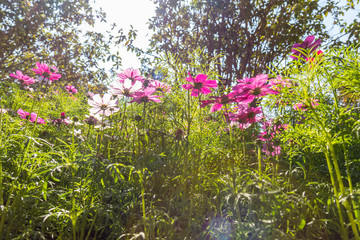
[1, 154]
[347, 163]
[259, 162]
[341, 218]
[143, 177]
[143, 200]
[124, 117]
[232, 155]
[354, 204]
[338, 174]
[91, 227]
[73, 210]
[186, 170]
[188, 118]
[200, 137]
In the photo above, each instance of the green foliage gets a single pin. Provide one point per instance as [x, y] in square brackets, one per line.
[52, 32]
[250, 35]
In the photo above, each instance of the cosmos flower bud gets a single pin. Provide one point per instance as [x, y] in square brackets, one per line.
[138, 118]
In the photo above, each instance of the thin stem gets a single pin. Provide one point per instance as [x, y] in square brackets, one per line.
[232, 156]
[341, 218]
[259, 162]
[143, 200]
[200, 136]
[143, 177]
[338, 174]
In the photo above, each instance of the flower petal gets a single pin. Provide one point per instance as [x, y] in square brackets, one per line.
[200, 78]
[188, 86]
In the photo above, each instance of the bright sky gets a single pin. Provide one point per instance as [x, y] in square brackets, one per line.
[125, 13]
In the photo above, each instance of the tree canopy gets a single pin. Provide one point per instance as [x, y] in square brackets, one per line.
[53, 31]
[249, 34]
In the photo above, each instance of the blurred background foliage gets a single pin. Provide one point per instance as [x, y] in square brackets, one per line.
[249, 34]
[54, 32]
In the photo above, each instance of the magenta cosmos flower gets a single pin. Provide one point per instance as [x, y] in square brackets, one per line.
[256, 89]
[201, 85]
[145, 96]
[319, 54]
[219, 101]
[102, 105]
[71, 89]
[26, 79]
[32, 117]
[62, 119]
[46, 72]
[245, 80]
[299, 48]
[234, 120]
[248, 114]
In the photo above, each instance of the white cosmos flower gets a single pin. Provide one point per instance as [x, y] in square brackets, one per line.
[102, 106]
[126, 88]
[77, 133]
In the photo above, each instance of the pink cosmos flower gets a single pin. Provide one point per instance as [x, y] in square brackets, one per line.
[256, 89]
[102, 105]
[160, 86]
[265, 136]
[22, 113]
[125, 88]
[276, 127]
[234, 120]
[300, 106]
[26, 79]
[33, 116]
[270, 149]
[90, 95]
[245, 115]
[303, 106]
[71, 89]
[309, 43]
[201, 85]
[145, 96]
[219, 101]
[280, 83]
[248, 114]
[49, 73]
[132, 74]
[245, 80]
